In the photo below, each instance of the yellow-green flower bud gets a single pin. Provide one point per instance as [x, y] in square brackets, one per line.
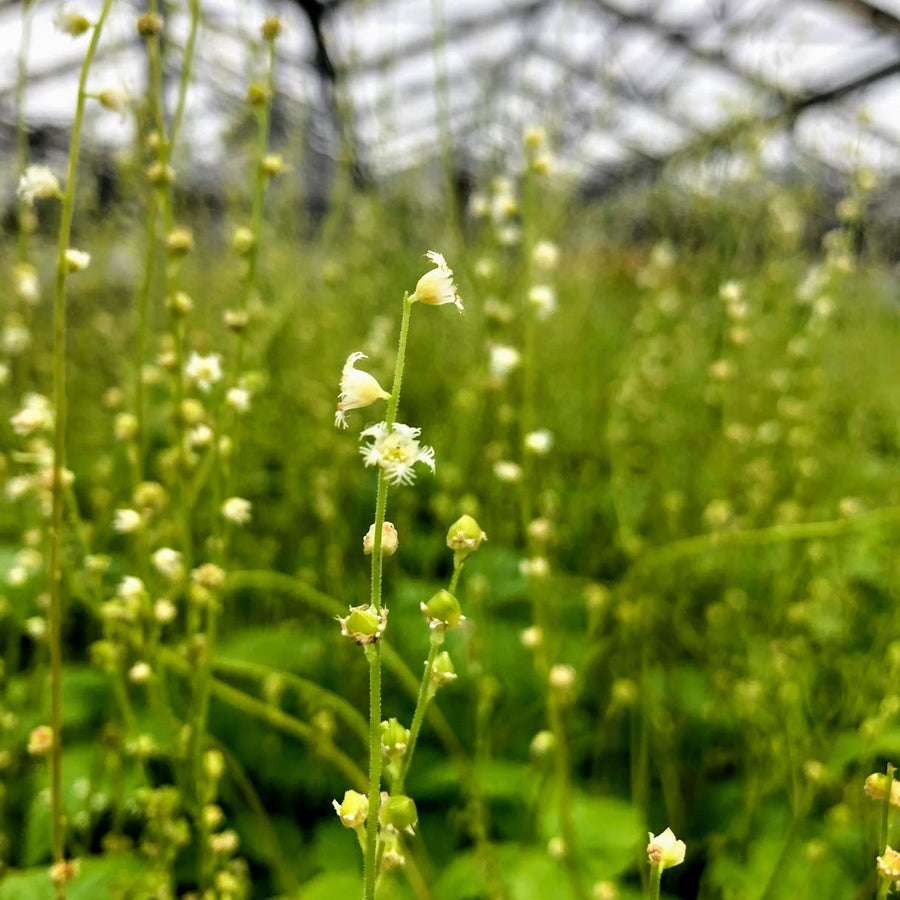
[465, 536]
[394, 738]
[160, 175]
[442, 671]
[272, 165]
[875, 787]
[149, 25]
[364, 624]
[271, 28]
[243, 241]
[398, 813]
[180, 303]
[442, 611]
[72, 23]
[180, 242]
[214, 764]
[257, 94]
[236, 320]
[353, 810]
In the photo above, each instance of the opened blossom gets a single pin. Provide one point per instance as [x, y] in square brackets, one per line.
[358, 389]
[396, 450]
[665, 850]
[437, 287]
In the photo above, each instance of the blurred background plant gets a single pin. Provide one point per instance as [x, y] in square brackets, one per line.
[671, 405]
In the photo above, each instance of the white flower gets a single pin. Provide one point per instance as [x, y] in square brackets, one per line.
[536, 567]
[539, 442]
[436, 287]
[26, 283]
[204, 371]
[201, 436]
[130, 587]
[507, 471]
[664, 850]
[139, 673]
[77, 260]
[168, 562]
[358, 389]
[15, 339]
[127, 521]
[396, 450]
[36, 414]
[238, 399]
[503, 360]
[237, 510]
[38, 181]
[543, 298]
[545, 255]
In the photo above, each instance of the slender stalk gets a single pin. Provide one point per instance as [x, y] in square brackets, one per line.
[426, 692]
[655, 879]
[57, 813]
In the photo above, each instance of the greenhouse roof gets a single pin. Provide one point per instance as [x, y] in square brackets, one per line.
[622, 87]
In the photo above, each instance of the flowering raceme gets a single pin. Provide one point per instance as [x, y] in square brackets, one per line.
[396, 450]
[358, 389]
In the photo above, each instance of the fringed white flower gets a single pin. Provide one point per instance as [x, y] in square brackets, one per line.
[358, 389]
[437, 287]
[396, 450]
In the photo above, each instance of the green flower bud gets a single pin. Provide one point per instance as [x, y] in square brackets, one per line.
[442, 611]
[243, 240]
[394, 738]
[353, 809]
[442, 671]
[364, 624]
[465, 536]
[398, 813]
[149, 25]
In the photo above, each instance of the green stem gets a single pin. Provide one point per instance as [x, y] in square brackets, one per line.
[57, 813]
[655, 879]
[373, 651]
[426, 692]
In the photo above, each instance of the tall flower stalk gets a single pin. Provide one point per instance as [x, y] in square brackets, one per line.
[395, 450]
[66, 261]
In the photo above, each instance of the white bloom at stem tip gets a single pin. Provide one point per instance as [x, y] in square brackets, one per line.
[503, 360]
[204, 371]
[436, 287]
[71, 23]
[358, 389]
[539, 442]
[237, 510]
[77, 260]
[38, 181]
[396, 450]
[665, 850]
[36, 414]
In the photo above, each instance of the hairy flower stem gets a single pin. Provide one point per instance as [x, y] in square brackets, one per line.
[57, 814]
[373, 651]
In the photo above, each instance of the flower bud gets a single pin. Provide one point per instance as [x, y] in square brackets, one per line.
[272, 165]
[364, 624]
[394, 738]
[180, 242]
[77, 260]
[389, 540]
[243, 240]
[149, 25]
[72, 23]
[465, 536]
[270, 28]
[442, 671]
[257, 94]
[398, 813]
[160, 175]
[442, 611]
[875, 787]
[353, 810]
[40, 741]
